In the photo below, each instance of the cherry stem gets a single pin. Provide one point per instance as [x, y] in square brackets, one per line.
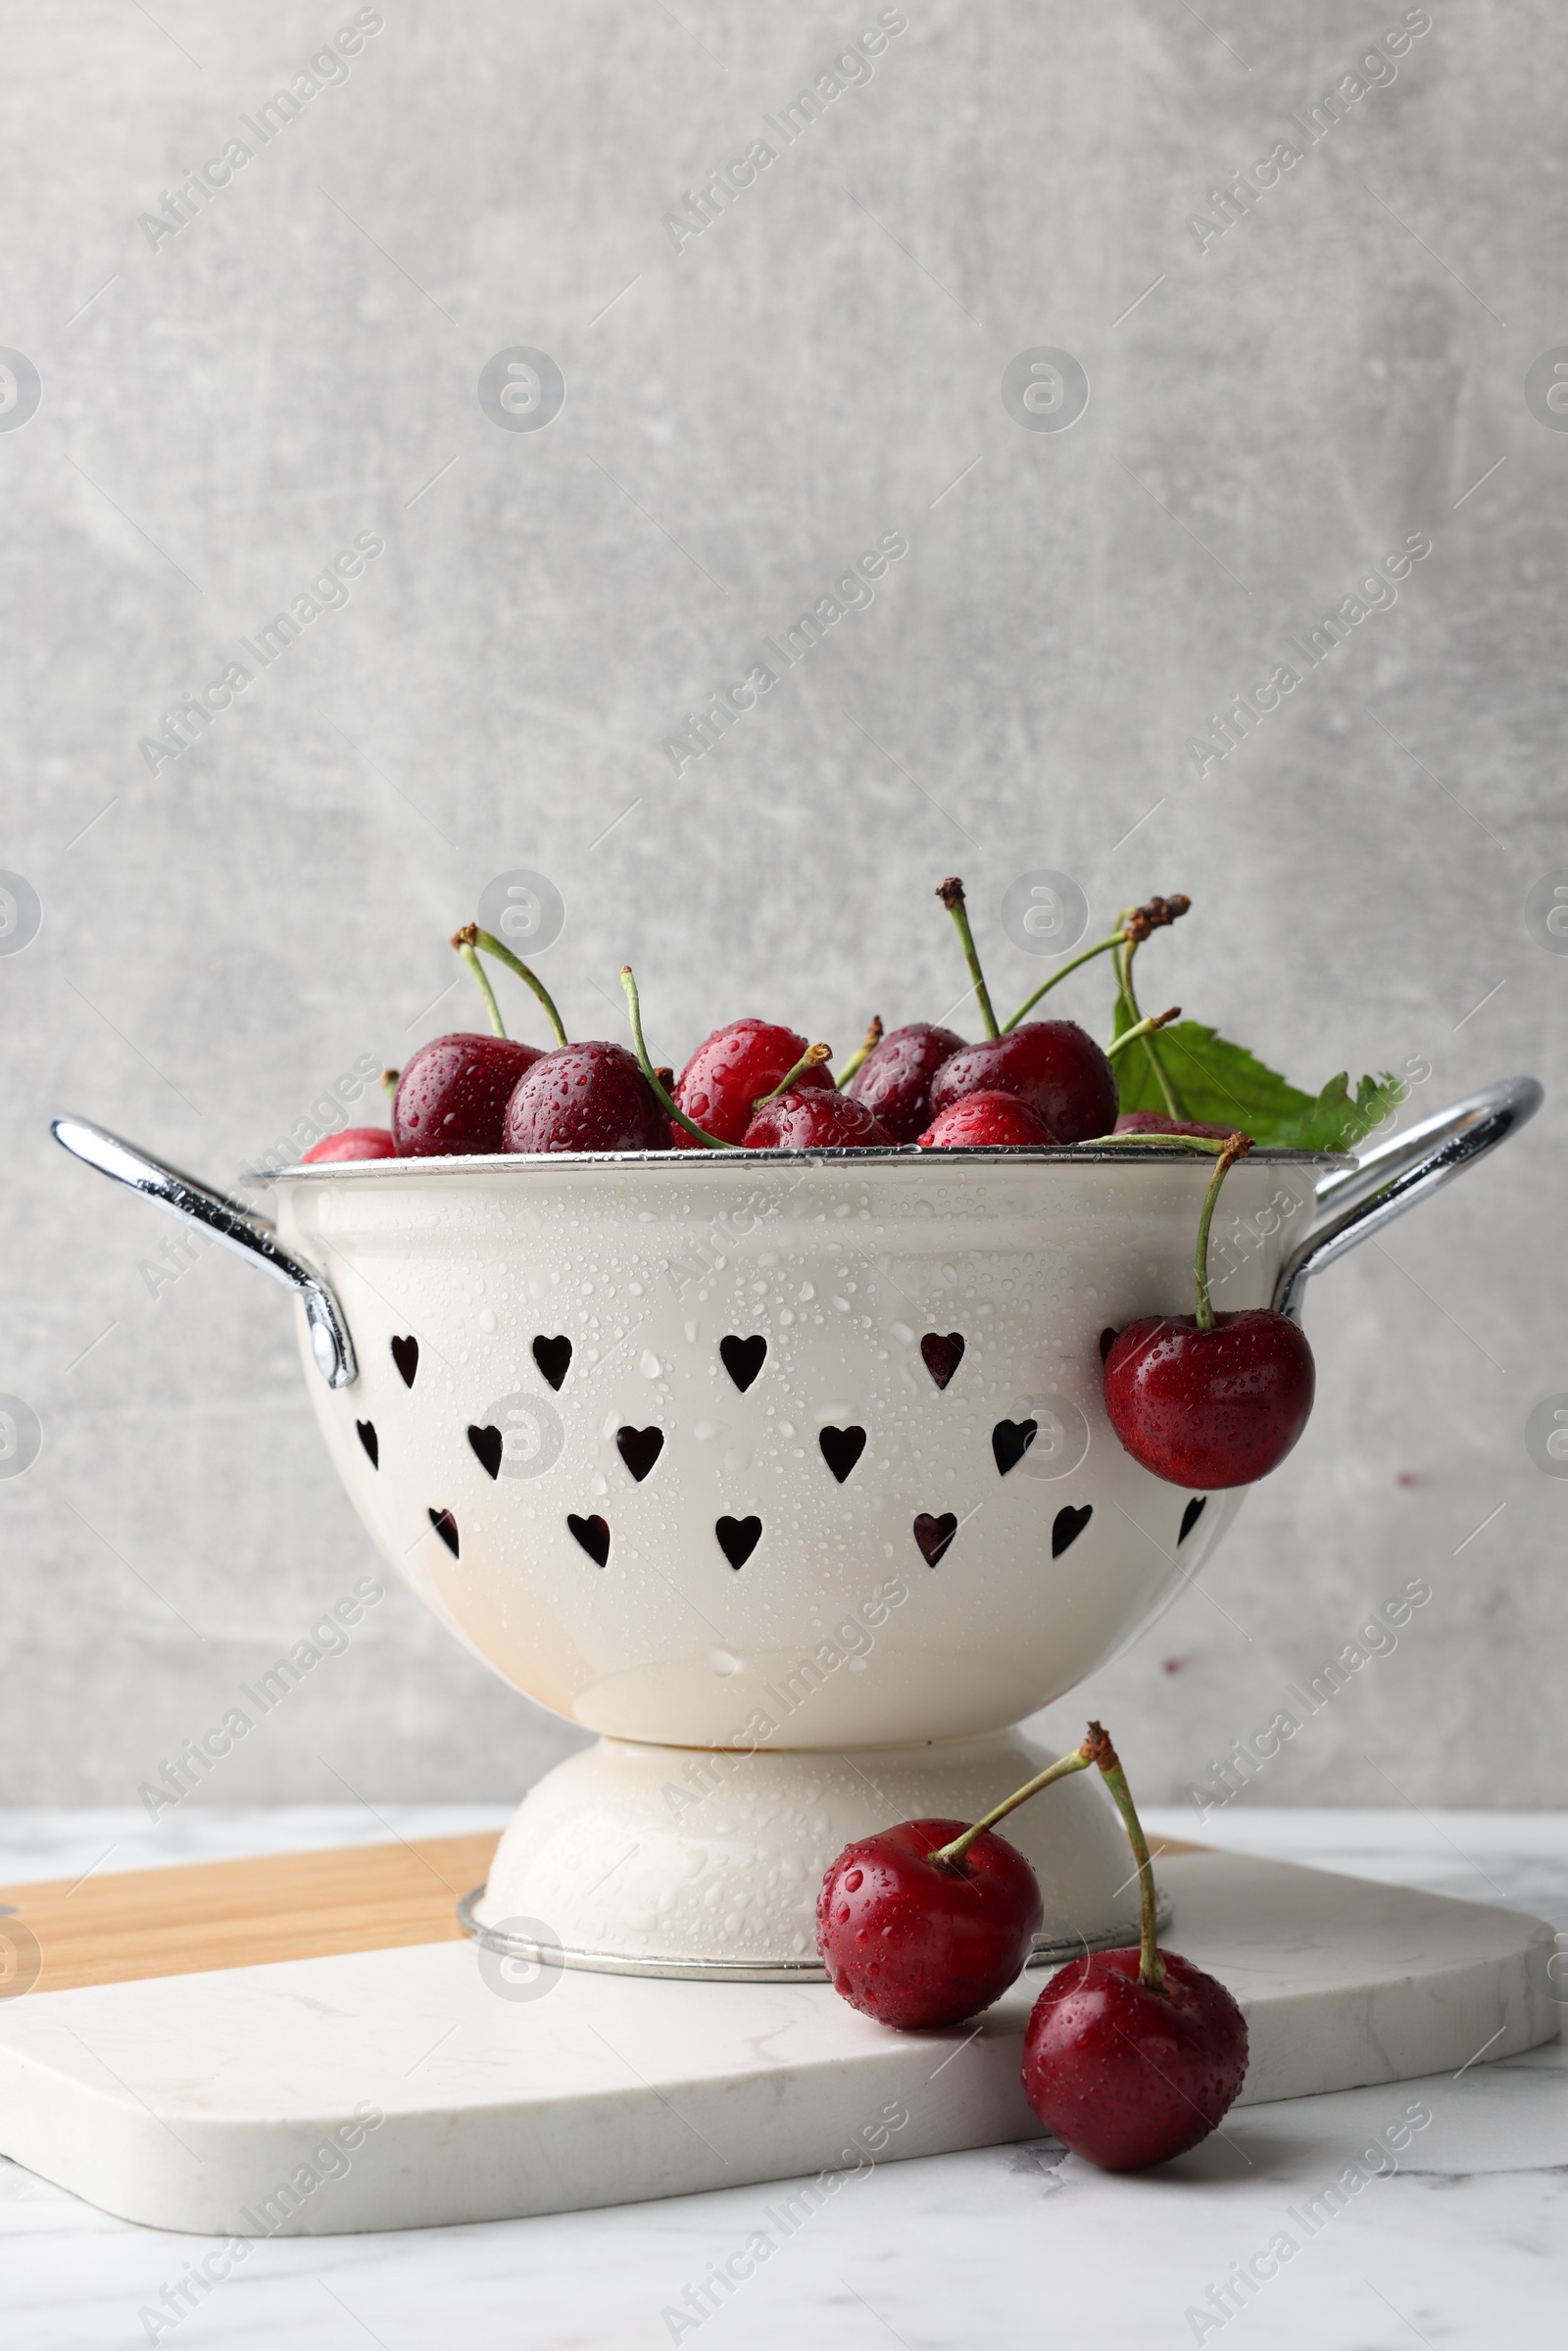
[951, 893]
[1101, 947]
[1237, 1148]
[872, 1038]
[389, 1079]
[1139, 922]
[1151, 1966]
[1209, 1145]
[1078, 1761]
[1129, 1003]
[710, 1142]
[1145, 1028]
[813, 1058]
[471, 933]
[1121, 964]
[463, 941]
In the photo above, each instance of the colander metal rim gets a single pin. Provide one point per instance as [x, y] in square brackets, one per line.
[940, 1165]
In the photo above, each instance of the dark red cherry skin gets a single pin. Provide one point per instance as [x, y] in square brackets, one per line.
[1155, 1122]
[893, 1081]
[1126, 2075]
[1054, 1065]
[452, 1094]
[1208, 1409]
[729, 1073]
[812, 1120]
[585, 1098]
[985, 1120]
[353, 1143]
[920, 1943]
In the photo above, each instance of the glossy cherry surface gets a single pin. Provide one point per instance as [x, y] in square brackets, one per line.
[816, 1119]
[729, 1073]
[352, 1143]
[979, 1121]
[453, 1093]
[1208, 1409]
[585, 1098]
[920, 1943]
[893, 1081]
[1126, 2073]
[1054, 1065]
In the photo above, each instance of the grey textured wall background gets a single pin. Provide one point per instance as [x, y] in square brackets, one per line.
[299, 364]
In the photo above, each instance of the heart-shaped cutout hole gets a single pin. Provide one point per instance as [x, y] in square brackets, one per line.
[372, 1443]
[1067, 1527]
[1190, 1516]
[841, 1450]
[743, 1360]
[406, 1355]
[943, 1352]
[594, 1536]
[446, 1526]
[738, 1537]
[487, 1444]
[1010, 1439]
[934, 1535]
[553, 1358]
[639, 1449]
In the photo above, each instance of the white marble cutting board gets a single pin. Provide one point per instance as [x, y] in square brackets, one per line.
[236, 2103]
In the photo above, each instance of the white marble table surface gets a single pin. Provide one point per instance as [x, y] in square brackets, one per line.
[1466, 2244]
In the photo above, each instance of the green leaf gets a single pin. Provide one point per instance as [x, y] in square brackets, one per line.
[1224, 1085]
[1337, 1120]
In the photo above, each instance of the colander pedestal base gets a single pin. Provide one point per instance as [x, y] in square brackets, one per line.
[643, 1860]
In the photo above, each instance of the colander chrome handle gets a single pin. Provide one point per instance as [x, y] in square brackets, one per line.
[227, 1221]
[1401, 1173]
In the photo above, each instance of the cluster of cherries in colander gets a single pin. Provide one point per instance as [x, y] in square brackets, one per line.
[754, 1085]
[1207, 1400]
[1130, 2056]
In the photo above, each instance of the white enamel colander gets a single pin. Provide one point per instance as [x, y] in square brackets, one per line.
[787, 1474]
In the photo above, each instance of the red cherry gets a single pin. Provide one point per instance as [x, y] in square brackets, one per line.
[1155, 1122]
[585, 1098]
[893, 1081]
[1129, 2075]
[452, 1094]
[354, 1143]
[1054, 1065]
[801, 1121]
[1208, 1409]
[977, 1119]
[918, 1944]
[730, 1072]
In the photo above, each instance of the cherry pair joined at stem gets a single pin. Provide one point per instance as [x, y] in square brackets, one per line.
[471, 1094]
[1131, 2058]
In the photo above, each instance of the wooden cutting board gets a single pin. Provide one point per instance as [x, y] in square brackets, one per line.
[231, 1914]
